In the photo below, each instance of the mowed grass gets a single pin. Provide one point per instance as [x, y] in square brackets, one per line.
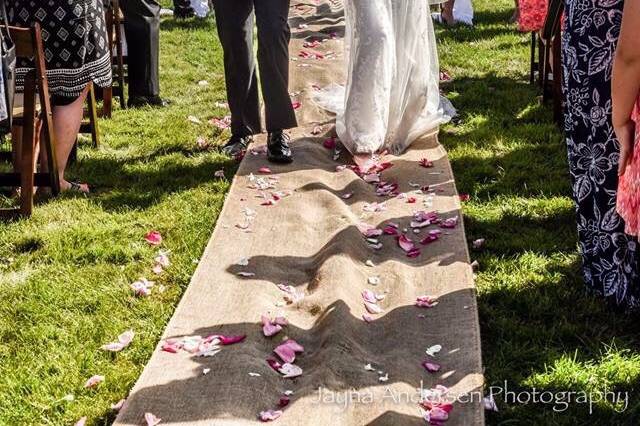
[65, 272]
[540, 328]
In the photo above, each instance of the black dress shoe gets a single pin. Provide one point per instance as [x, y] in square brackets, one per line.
[278, 150]
[237, 145]
[142, 101]
[183, 13]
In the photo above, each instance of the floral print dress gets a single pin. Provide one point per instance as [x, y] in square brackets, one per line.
[610, 257]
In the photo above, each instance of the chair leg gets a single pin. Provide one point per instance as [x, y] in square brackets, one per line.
[558, 96]
[27, 154]
[107, 102]
[532, 69]
[540, 62]
[93, 116]
[546, 71]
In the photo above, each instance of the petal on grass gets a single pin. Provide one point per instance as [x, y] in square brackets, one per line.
[153, 238]
[93, 381]
[124, 340]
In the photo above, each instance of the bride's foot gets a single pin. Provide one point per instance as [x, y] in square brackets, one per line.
[365, 162]
[80, 188]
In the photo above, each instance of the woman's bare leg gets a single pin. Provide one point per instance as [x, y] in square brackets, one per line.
[66, 125]
[447, 12]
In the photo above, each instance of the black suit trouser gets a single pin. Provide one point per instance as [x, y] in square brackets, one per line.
[235, 20]
[142, 29]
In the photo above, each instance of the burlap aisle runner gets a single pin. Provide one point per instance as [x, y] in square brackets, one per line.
[310, 241]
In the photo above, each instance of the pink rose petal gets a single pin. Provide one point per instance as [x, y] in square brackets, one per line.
[264, 170]
[274, 363]
[272, 327]
[94, 381]
[82, 421]
[367, 318]
[373, 308]
[413, 253]
[390, 230]
[426, 302]
[449, 223]
[369, 230]
[228, 340]
[426, 163]
[171, 347]
[124, 340]
[154, 238]
[151, 419]
[284, 401]
[330, 143]
[287, 350]
[269, 415]
[369, 296]
[406, 244]
[431, 367]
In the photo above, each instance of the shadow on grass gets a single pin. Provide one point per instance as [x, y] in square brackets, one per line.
[529, 329]
[495, 110]
[140, 182]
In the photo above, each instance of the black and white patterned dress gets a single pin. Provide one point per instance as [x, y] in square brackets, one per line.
[611, 258]
[75, 42]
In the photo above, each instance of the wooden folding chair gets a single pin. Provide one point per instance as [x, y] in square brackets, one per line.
[114, 21]
[551, 37]
[90, 124]
[32, 116]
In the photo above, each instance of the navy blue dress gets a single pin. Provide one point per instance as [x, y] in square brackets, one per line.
[610, 257]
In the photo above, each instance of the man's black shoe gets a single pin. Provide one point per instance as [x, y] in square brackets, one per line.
[278, 150]
[142, 101]
[237, 145]
[183, 13]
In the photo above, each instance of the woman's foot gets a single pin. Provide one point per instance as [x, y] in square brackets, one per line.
[365, 162]
[81, 188]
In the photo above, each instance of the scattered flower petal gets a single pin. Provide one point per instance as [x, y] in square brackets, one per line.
[431, 367]
[269, 415]
[118, 405]
[151, 419]
[433, 350]
[289, 371]
[490, 403]
[287, 350]
[124, 340]
[154, 238]
[94, 381]
[426, 301]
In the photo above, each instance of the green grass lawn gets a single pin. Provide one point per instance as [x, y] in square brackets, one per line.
[65, 272]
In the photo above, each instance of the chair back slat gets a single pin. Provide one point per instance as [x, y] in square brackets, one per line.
[24, 41]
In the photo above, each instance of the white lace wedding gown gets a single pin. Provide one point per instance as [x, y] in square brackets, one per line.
[392, 94]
